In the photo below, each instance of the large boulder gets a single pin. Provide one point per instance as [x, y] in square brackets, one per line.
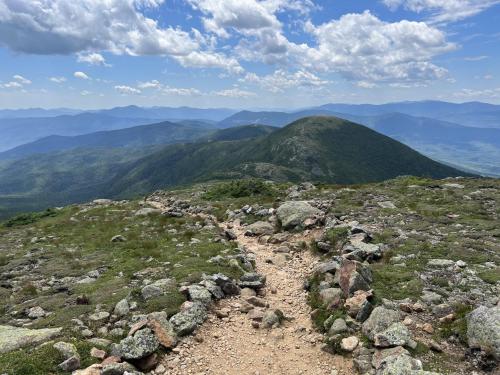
[483, 330]
[163, 329]
[379, 320]
[296, 215]
[396, 335]
[187, 320]
[13, 338]
[396, 361]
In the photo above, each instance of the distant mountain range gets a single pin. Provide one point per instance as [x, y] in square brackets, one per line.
[321, 149]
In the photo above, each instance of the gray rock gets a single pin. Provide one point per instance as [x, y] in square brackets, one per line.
[430, 297]
[326, 267]
[70, 364]
[338, 326]
[122, 308]
[119, 369]
[379, 320]
[213, 288]
[36, 312]
[331, 296]
[440, 263]
[13, 338]
[66, 349]
[396, 335]
[140, 345]
[252, 280]
[354, 276]
[227, 285]
[151, 291]
[186, 321]
[147, 211]
[483, 330]
[99, 316]
[396, 361]
[197, 293]
[271, 318]
[294, 214]
[259, 228]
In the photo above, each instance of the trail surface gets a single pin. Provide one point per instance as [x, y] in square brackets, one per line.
[230, 345]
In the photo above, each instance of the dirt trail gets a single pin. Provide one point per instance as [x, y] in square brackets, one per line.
[232, 346]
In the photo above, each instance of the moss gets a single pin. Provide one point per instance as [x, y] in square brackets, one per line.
[394, 282]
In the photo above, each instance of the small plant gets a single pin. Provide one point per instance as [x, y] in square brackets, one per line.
[337, 236]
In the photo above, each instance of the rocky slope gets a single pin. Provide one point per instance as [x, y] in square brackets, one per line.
[399, 277]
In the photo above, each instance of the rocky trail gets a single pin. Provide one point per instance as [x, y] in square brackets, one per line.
[230, 342]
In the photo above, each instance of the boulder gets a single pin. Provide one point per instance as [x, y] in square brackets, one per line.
[140, 345]
[66, 349]
[379, 320]
[272, 318]
[13, 338]
[252, 280]
[396, 361]
[122, 308]
[36, 312]
[396, 335]
[338, 326]
[359, 305]
[354, 276]
[70, 364]
[483, 330]
[163, 329]
[198, 293]
[294, 214]
[186, 321]
[227, 285]
[331, 297]
[259, 228]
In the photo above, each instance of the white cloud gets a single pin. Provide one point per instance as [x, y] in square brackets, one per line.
[81, 75]
[154, 84]
[181, 91]
[57, 79]
[92, 59]
[477, 94]
[234, 93]
[200, 59]
[21, 80]
[361, 47]
[442, 11]
[366, 85]
[11, 85]
[476, 58]
[85, 93]
[281, 80]
[127, 90]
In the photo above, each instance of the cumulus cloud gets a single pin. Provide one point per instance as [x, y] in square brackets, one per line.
[154, 84]
[57, 79]
[18, 82]
[92, 59]
[127, 90]
[442, 11]
[200, 59]
[181, 91]
[81, 75]
[281, 80]
[362, 47]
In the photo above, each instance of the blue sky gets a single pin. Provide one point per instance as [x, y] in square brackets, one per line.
[246, 53]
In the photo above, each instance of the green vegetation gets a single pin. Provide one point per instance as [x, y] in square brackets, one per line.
[490, 276]
[240, 189]
[29, 218]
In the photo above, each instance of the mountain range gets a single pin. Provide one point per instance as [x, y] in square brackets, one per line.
[323, 149]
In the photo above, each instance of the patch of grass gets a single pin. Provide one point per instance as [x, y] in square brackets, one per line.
[394, 282]
[458, 327]
[337, 236]
[490, 276]
[240, 188]
[29, 218]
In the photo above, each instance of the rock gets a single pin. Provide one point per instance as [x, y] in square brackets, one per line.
[272, 318]
[66, 349]
[326, 267]
[151, 291]
[387, 204]
[252, 280]
[256, 301]
[36, 312]
[99, 316]
[118, 238]
[13, 338]
[227, 285]
[186, 321]
[256, 314]
[163, 329]
[118, 369]
[197, 293]
[396, 335]
[348, 344]
[379, 320]
[259, 228]
[440, 263]
[294, 214]
[331, 297]
[91, 370]
[140, 345]
[483, 330]
[247, 292]
[122, 308]
[359, 306]
[338, 326]
[354, 276]
[396, 361]
[430, 297]
[97, 353]
[71, 364]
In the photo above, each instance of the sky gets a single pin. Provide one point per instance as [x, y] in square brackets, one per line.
[246, 53]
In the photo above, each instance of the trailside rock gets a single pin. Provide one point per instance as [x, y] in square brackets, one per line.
[140, 345]
[163, 329]
[396, 361]
[354, 276]
[396, 335]
[483, 330]
[294, 214]
[197, 293]
[186, 321]
[13, 338]
[227, 285]
[259, 228]
[252, 280]
[379, 320]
